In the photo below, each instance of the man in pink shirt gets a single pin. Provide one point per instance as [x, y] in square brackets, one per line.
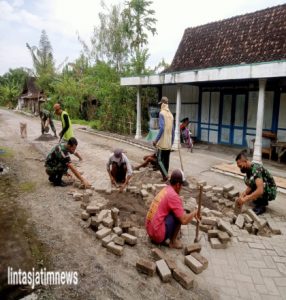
[166, 213]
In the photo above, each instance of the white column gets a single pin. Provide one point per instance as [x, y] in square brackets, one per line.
[178, 112]
[259, 122]
[138, 122]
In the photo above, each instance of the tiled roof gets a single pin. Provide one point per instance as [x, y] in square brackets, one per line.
[251, 38]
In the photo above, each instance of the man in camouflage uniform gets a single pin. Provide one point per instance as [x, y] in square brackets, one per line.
[261, 186]
[46, 120]
[58, 162]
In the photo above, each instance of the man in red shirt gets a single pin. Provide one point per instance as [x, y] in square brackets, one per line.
[166, 213]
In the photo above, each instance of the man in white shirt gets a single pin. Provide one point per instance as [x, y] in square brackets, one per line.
[119, 169]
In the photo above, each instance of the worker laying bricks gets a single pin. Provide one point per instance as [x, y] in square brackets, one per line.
[58, 162]
[166, 213]
[119, 169]
[149, 159]
[67, 131]
[261, 186]
[46, 121]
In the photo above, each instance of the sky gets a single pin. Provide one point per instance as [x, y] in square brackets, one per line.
[21, 22]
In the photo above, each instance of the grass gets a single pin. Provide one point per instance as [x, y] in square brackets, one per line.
[6, 152]
[27, 187]
[95, 124]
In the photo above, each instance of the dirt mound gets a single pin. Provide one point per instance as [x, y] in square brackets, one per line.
[46, 137]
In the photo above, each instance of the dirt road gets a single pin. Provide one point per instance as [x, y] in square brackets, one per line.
[48, 231]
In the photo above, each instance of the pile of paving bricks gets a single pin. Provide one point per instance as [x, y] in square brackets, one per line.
[225, 197]
[167, 268]
[113, 233]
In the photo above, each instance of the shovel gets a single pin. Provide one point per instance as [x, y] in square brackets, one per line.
[199, 213]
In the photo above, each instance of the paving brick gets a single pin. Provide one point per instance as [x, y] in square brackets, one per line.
[119, 240]
[129, 239]
[270, 273]
[195, 247]
[259, 222]
[232, 194]
[102, 214]
[159, 254]
[273, 227]
[228, 187]
[117, 230]
[224, 226]
[202, 182]
[223, 237]
[146, 266]
[248, 227]
[217, 213]
[213, 233]
[115, 249]
[256, 245]
[144, 193]
[247, 218]
[194, 264]
[92, 208]
[85, 215]
[201, 259]
[125, 226]
[184, 279]
[205, 228]
[218, 189]
[215, 199]
[109, 238]
[77, 196]
[85, 198]
[229, 203]
[216, 244]
[103, 233]
[207, 188]
[83, 205]
[163, 270]
[107, 222]
[206, 212]
[209, 221]
[239, 221]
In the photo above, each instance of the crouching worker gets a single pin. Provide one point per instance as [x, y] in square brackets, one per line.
[119, 169]
[166, 213]
[149, 159]
[58, 162]
[261, 186]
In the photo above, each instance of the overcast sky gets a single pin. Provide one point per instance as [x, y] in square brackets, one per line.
[21, 22]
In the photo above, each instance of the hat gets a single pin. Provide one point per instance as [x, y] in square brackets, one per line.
[118, 153]
[164, 100]
[177, 176]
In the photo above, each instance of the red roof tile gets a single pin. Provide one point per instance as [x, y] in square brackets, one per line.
[251, 38]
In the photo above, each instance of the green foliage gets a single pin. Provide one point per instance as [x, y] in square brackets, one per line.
[43, 62]
[11, 86]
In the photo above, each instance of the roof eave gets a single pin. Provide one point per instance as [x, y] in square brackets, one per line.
[235, 72]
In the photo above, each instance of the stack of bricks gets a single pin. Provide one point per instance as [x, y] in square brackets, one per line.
[167, 268]
[253, 224]
[113, 234]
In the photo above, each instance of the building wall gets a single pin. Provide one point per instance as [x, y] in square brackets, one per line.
[190, 104]
[224, 116]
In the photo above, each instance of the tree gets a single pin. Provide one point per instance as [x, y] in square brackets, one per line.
[138, 22]
[43, 61]
[11, 85]
[109, 42]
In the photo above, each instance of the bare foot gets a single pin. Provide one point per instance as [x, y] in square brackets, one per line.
[176, 244]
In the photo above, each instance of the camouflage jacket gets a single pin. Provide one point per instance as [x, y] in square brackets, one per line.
[58, 158]
[258, 171]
